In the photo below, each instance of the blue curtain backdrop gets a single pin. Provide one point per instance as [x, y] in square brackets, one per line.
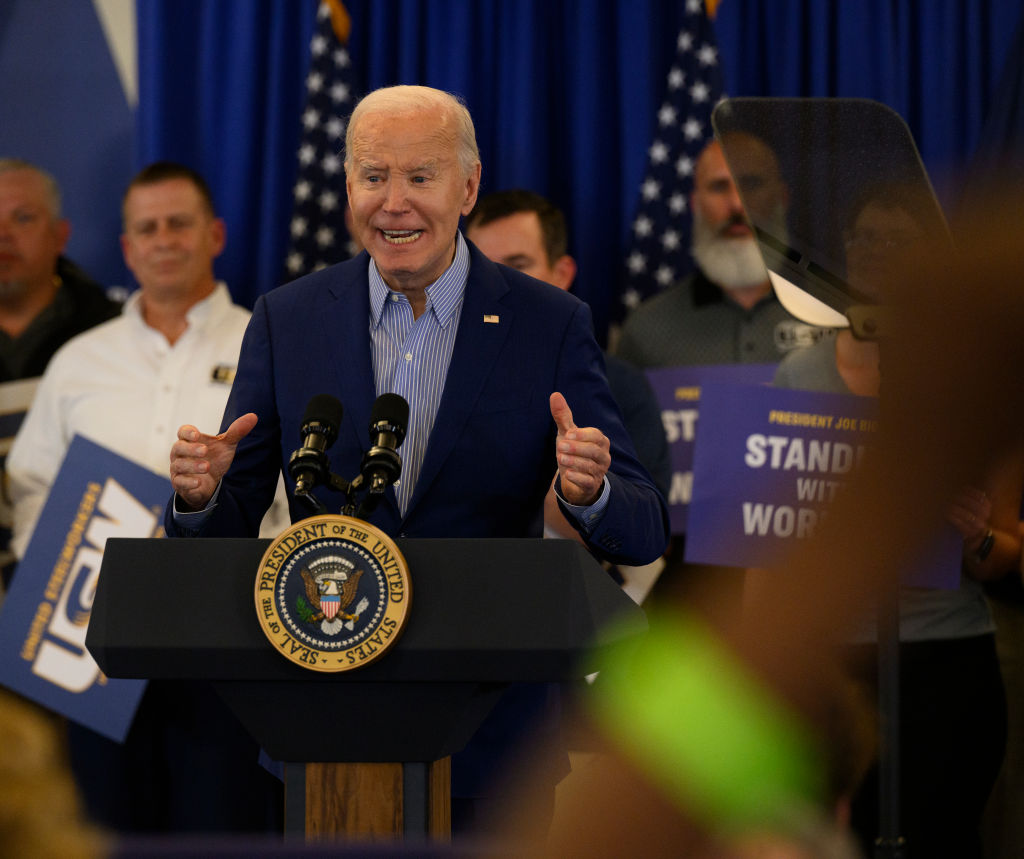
[563, 93]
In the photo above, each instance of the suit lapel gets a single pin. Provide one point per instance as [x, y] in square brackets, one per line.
[346, 340]
[477, 346]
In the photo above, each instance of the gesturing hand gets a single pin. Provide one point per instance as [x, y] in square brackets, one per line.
[969, 512]
[199, 461]
[583, 455]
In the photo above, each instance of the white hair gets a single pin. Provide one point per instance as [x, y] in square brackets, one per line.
[408, 99]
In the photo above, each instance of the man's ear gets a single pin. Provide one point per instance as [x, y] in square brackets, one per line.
[62, 230]
[564, 271]
[472, 189]
[219, 232]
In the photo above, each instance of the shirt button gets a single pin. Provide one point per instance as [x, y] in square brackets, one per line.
[408, 356]
[394, 297]
[398, 482]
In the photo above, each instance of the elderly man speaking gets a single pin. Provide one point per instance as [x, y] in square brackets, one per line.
[504, 379]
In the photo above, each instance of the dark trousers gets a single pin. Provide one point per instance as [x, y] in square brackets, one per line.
[952, 736]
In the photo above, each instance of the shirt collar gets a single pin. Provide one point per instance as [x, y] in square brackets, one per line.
[443, 295]
[197, 314]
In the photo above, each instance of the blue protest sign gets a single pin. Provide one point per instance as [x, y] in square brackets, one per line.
[677, 390]
[96, 495]
[767, 463]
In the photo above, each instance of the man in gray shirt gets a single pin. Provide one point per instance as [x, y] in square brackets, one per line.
[725, 312]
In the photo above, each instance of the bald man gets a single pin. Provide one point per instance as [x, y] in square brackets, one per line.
[725, 312]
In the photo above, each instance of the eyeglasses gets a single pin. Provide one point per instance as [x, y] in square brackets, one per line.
[873, 240]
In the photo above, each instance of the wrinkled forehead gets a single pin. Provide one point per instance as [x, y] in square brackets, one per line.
[753, 156]
[879, 217]
[24, 187]
[155, 199]
[410, 136]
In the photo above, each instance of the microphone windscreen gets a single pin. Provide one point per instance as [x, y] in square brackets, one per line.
[391, 409]
[325, 410]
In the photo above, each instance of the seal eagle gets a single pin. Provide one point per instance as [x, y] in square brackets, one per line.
[347, 593]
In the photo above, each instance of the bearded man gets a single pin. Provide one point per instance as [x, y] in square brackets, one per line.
[725, 312]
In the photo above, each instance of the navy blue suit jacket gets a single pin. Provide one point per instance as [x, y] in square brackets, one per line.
[490, 457]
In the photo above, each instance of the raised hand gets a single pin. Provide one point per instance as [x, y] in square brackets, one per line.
[583, 455]
[199, 461]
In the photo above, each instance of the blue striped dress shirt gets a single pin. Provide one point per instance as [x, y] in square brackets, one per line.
[411, 356]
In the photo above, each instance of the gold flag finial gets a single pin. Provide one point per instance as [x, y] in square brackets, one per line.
[341, 23]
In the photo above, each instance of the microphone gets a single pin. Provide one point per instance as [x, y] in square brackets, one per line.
[381, 464]
[308, 465]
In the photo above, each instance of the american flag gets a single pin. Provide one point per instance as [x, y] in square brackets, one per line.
[318, 235]
[659, 249]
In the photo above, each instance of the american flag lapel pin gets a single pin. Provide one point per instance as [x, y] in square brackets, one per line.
[492, 318]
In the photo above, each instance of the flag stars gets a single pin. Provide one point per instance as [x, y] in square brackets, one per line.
[325, 237]
[658, 152]
[298, 227]
[636, 262]
[328, 201]
[700, 92]
[307, 154]
[643, 226]
[650, 189]
[684, 166]
[318, 45]
[670, 241]
[707, 55]
[331, 164]
[665, 275]
[684, 42]
[676, 78]
[335, 128]
[339, 92]
[302, 191]
[340, 57]
[677, 204]
[294, 262]
[315, 82]
[693, 129]
[693, 7]
[667, 115]
[631, 298]
[310, 119]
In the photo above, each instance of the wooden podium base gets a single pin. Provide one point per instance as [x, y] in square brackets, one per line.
[368, 801]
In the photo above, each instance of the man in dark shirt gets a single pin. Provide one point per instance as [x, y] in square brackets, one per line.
[726, 311]
[527, 232]
[45, 299]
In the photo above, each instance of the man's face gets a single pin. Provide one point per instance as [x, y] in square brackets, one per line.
[407, 191]
[170, 239]
[716, 195]
[30, 238]
[715, 198]
[880, 239]
[516, 241]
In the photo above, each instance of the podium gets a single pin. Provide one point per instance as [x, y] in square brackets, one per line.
[484, 613]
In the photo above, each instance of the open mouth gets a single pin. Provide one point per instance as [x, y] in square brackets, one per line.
[401, 237]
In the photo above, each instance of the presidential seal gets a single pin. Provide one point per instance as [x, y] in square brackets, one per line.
[332, 593]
